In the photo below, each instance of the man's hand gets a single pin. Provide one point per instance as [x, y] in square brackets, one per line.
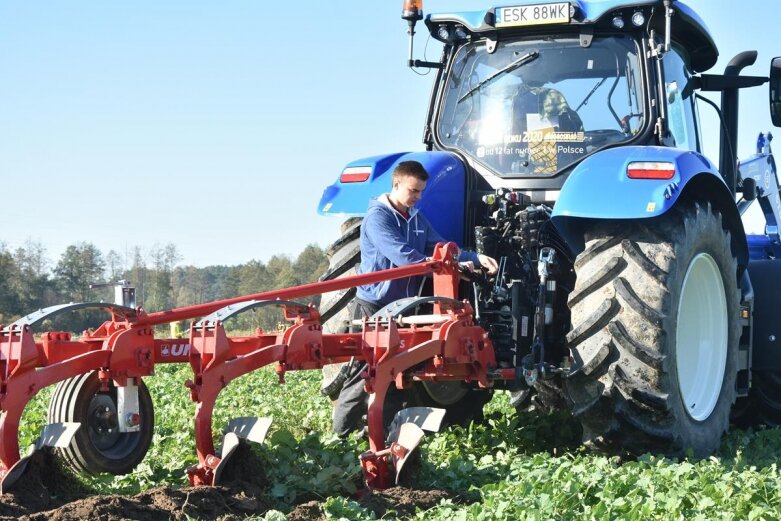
[467, 266]
[489, 264]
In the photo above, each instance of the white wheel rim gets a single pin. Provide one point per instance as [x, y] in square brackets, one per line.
[701, 337]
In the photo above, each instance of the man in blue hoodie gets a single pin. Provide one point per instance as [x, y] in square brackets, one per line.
[393, 234]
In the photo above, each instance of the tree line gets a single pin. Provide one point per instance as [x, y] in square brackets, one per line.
[29, 281]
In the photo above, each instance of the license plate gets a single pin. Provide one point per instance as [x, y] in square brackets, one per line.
[536, 14]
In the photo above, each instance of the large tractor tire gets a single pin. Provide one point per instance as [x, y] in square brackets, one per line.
[98, 446]
[655, 334]
[344, 257]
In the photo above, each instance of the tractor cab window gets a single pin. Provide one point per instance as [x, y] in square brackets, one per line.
[534, 107]
[679, 101]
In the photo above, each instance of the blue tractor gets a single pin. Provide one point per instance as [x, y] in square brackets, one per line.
[563, 139]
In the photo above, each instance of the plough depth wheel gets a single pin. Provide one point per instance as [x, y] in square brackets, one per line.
[99, 446]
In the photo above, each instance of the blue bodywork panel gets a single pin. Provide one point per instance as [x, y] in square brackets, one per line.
[445, 190]
[762, 247]
[599, 187]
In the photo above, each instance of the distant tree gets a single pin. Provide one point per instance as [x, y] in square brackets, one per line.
[310, 264]
[137, 275]
[221, 282]
[79, 266]
[35, 288]
[160, 290]
[254, 277]
[281, 268]
[115, 266]
[189, 285]
[10, 276]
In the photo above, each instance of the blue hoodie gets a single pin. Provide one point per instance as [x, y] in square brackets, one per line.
[389, 240]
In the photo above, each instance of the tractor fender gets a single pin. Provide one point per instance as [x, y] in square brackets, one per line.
[600, 189]
[443, 201]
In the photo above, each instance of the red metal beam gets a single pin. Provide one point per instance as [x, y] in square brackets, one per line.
[305, 290]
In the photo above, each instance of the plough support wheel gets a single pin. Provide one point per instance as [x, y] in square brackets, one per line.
[99, 446]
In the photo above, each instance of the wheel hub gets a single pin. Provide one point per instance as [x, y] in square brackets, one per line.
[103, 426]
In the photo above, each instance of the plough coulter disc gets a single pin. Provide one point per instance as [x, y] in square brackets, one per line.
[99, 446]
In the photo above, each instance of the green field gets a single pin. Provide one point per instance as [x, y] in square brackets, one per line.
[515, 466]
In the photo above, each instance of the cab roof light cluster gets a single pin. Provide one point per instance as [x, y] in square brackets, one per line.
[650, 170]
[355, 174]
[618, 21]
[449, 33]
[638, 19]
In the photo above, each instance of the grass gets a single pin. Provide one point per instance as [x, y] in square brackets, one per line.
[514, 466]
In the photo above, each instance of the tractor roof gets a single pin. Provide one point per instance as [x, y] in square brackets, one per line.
[687, 27]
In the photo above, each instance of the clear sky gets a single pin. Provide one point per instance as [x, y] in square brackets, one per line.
[216, 125]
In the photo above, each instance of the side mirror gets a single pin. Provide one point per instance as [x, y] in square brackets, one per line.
[775, 91]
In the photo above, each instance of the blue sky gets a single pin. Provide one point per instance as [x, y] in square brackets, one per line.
[216, 125]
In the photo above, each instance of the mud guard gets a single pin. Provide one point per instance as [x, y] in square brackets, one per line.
[600, 189]
[446, 186]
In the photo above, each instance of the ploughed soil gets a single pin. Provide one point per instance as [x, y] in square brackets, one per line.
[45, 492]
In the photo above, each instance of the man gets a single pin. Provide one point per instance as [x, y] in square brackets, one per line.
[393, 234]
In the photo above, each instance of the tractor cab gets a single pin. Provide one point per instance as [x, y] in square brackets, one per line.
[527, 92]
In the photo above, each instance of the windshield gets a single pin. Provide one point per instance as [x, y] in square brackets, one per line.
[534, 106]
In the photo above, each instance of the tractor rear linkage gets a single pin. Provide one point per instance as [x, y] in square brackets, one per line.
[447, 347]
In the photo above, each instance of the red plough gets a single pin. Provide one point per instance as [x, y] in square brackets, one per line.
[122, 351]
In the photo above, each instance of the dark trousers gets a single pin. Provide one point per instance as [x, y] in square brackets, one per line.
[352, 404]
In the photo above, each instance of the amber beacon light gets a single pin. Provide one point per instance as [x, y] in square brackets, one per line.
[412, 10]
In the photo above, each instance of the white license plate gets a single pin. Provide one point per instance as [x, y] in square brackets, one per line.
[536, 14]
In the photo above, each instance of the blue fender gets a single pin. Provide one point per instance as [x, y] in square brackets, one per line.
[599, 188]
[443, 201]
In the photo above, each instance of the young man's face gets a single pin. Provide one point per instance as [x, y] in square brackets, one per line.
[407, 190]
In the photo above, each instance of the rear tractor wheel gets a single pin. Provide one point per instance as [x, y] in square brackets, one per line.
[99, 446]
[344, 258]
[655, 333]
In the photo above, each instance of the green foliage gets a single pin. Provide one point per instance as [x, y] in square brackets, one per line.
[311, 467]
[505, 469]
[344, 509]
